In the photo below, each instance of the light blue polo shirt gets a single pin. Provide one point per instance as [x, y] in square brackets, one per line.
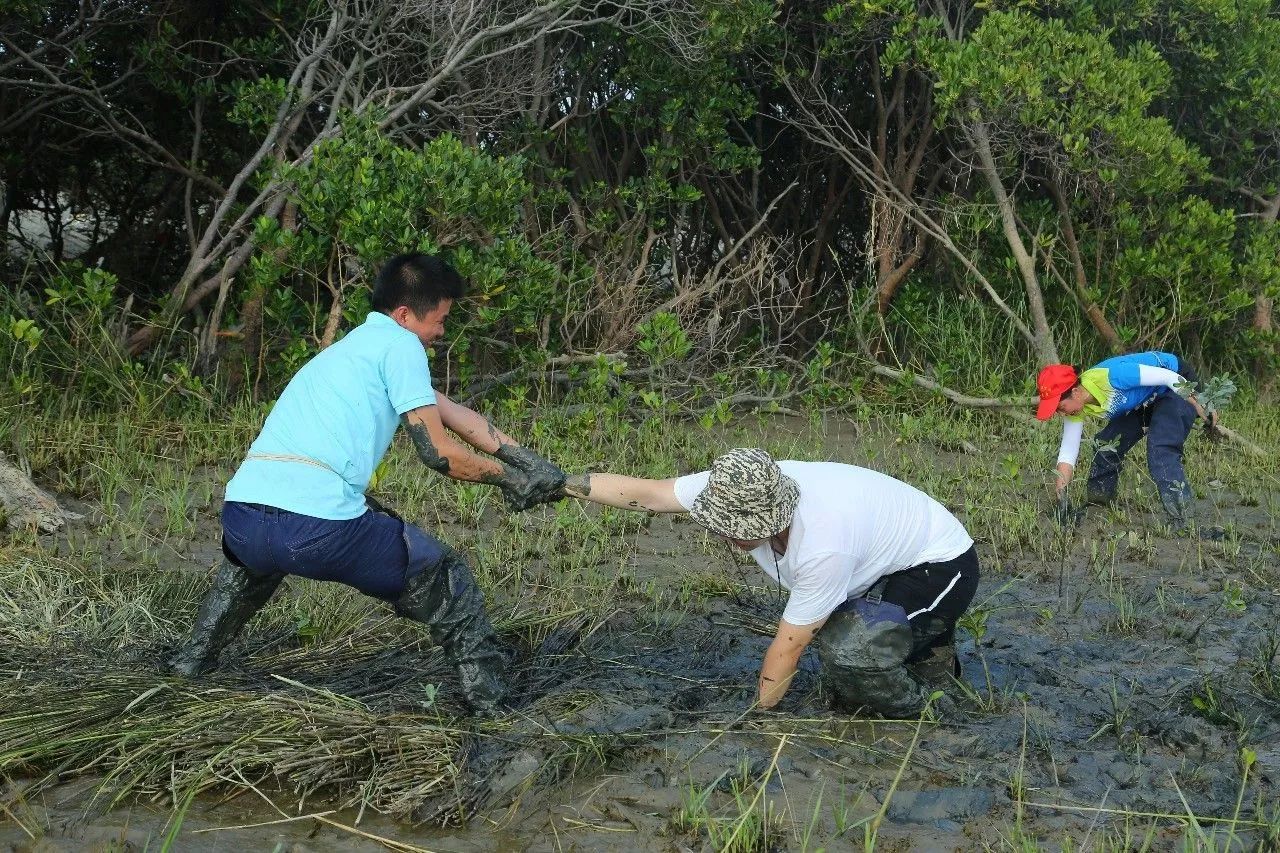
[334, 422]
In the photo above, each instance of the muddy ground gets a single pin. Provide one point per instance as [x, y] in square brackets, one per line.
[1124, 682]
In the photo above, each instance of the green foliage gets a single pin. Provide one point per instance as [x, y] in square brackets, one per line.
[363, 197]
[66, 346]
[1216, 393]
[645, 149]
[1176, 269]
[1055, 93]
[662, 340]
[255, 102]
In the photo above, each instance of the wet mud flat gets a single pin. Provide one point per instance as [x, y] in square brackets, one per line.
[1109, 696]
[1121, 690]
[1098, 700]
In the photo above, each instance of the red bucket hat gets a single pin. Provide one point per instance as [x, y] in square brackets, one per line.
[1054, 381]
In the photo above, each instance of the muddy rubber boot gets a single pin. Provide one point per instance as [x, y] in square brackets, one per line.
[891, 693]
[1097, 496]
[1177, 506]
[864, 665]
[939, 669]
[236, 595]
[444, 597]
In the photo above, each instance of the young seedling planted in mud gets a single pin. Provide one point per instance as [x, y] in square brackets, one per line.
[991, 700]
[1233, 596]
[1266, 666]
[748, 824]
[1118, 722]
[1209, 703]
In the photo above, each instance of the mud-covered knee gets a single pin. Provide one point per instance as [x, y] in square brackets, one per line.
[236, 580]
[927, 629]
[444, 583]
[461, 581]
[892, 692]
[850, 641]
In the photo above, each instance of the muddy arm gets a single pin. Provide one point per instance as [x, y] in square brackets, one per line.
[622, 492]
[441, 452]
[545, 479]
[782, 659]
[471, 426]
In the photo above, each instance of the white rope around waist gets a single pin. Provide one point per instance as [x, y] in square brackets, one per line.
[289, 457]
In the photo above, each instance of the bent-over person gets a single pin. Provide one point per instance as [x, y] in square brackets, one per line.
[1137, 395]
[878, 571]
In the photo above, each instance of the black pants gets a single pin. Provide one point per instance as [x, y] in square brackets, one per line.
[934, 596]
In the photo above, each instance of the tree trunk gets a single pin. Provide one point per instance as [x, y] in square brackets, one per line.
[1046, 349]
[1091, 308]
[1263, 307]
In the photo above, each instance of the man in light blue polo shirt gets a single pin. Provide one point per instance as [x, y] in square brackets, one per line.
[297, 504]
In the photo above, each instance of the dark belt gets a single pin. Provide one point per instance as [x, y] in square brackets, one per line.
[875, 594]
[264, 508]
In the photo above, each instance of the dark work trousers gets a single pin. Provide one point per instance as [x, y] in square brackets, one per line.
[1167, 421]
[376, 553]
[866, 645]
[934, 596]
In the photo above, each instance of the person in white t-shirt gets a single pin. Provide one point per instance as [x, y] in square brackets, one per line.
[878, 571]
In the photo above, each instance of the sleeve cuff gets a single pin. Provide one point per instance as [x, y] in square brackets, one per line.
[416, 403]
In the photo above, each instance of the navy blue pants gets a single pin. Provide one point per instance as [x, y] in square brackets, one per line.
[1167, 421]
[375, 553]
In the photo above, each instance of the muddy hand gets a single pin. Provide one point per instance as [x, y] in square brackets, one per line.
[1211, 429]
[545, 477]
[519, 492]
[1065, 514]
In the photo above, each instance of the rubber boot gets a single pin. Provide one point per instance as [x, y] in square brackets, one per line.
[236, 595]
[1177, 506]
[938, 668]
[444, 597]
[1098, 496]
[864, 665]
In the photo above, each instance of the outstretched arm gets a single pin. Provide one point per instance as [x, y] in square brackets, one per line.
[471, 426]
[1154, 377]
[624, 492]
[545, 479]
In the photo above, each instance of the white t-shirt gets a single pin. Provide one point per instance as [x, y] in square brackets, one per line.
[852, 527]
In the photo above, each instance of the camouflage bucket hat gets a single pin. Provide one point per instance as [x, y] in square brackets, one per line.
[747, 496]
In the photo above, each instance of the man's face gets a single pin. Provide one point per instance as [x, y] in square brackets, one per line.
[1073, 402]
[429, 327]
[746, 544]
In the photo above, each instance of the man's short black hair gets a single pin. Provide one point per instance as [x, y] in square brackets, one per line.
[416, 280]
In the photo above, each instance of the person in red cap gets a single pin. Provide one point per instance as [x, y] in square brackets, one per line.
[1135, 393]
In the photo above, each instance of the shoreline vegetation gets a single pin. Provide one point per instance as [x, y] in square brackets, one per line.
[834, 230]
